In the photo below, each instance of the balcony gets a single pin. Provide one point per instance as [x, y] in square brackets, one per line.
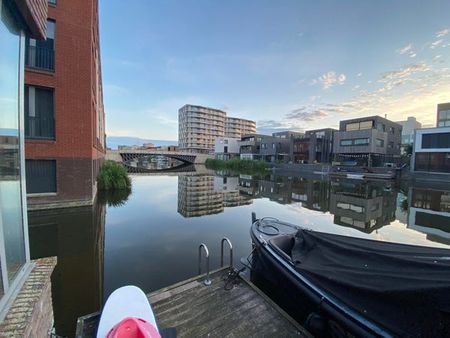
[40, 58]
[39, 128]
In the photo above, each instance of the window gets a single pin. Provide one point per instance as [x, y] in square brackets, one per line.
[355, 142]
[41, 54]
[13, 257]
[359, 125]
[361, 141]
[437, 141]
[41, 176]
[379, 142]
[391, 145]
[346, 143]
[52, 2]
[39, 113]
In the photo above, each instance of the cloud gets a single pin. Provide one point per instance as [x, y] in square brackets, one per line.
[405, 71]
[405, 49]
[438, 59]
[359, 74]
[330, 79]
[442, 33]
[436, 43]
[303, 114]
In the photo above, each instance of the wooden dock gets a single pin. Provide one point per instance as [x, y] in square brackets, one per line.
[196, 310]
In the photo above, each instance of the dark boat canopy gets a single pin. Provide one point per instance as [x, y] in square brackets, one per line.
[403, 288]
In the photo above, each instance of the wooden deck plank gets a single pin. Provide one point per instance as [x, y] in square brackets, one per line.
[197, 310]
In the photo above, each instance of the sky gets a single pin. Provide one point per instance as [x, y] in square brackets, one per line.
[288, 65]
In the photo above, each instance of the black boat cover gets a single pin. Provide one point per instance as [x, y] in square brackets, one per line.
[403, 288]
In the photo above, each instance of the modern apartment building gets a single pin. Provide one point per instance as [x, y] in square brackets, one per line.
[198, 128]
[370, 141]
[408, 128]
[236, 127]
[316, 146]
[64, 115]
[443, 115]
[265, 148]
[432, 150]
[226, 148]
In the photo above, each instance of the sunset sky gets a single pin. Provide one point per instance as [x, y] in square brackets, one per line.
[286, 64]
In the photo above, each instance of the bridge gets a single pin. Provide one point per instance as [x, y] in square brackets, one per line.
[126, 156]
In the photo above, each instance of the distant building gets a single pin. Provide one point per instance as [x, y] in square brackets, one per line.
[226, 148]
[288, 134]
[370, 141]
[432, 150]
[149, 146]
[64, 113]
[443, 115]
[316, 146]
[167, 148]
[408, 128]
[236, 127]
[265, 148]
[198, 128]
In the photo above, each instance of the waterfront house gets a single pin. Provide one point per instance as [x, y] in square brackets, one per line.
[25, 287]
[369, 141]
[264, 147]
[226, 148]
[315, 146]
[64, 114]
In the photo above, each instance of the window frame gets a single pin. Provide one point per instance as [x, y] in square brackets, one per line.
[12, 288]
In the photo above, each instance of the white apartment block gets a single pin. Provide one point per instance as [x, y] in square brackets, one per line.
[199, 127]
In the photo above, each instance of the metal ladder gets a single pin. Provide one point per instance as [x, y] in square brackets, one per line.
[203, 246]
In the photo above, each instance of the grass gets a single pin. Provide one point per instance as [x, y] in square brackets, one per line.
[238, 166]
[113, 176]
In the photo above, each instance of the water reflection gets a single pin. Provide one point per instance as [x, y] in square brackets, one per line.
[150, 237]
[76, 237]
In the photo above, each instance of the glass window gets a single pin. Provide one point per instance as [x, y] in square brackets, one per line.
[366, 125]
[11, 213]
[41, 54]
[438, 141]
[41, 176]
[346, 143]
[361, 141]
[39, 113]
[352, 126]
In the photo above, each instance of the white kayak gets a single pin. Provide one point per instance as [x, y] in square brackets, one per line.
[125, 302]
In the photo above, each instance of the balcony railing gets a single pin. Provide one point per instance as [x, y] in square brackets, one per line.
[39, 127]
[40, 57]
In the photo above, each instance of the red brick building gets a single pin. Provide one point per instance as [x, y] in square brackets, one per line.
[64, 115]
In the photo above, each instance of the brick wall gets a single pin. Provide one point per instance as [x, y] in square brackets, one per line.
[31, 314]
[34, 13]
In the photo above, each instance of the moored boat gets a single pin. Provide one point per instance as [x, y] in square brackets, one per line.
[354, 286]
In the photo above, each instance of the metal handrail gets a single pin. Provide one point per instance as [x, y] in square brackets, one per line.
[221, 251]
[207, 281]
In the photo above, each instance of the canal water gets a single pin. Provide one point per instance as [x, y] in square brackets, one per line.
[150, 237]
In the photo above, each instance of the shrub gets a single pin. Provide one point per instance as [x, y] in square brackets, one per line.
[237, 165]
[113, 176]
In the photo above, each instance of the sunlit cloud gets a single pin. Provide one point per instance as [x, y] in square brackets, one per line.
[405, 49]
[330, 79]
[442, 33]
[436, 43]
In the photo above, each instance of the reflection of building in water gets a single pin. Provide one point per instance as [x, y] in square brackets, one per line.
[76, 237]
[365, 207]
[429, 212]
[313, 194]
[196, 196]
